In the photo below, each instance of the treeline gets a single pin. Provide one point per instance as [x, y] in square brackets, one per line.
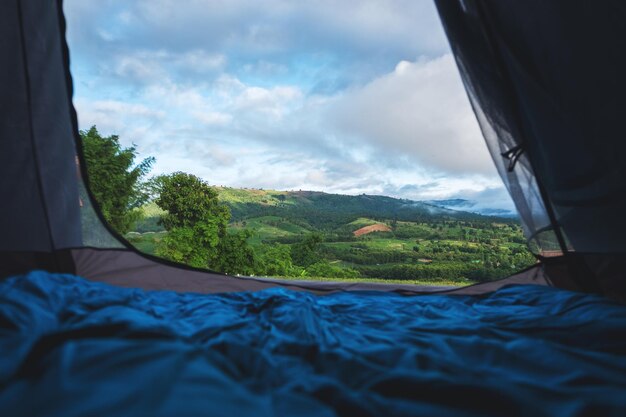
[441, 272]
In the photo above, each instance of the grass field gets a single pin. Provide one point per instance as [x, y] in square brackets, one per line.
[443, 283]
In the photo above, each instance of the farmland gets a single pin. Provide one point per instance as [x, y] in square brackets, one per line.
[363, 238]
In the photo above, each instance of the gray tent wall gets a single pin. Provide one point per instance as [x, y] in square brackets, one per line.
[39, 181]
[46, 215]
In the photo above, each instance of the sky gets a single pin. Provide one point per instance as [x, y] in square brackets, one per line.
[351, 97]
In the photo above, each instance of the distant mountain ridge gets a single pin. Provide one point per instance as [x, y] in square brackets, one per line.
[322, 210]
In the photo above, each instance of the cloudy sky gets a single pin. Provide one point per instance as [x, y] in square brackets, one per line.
[353, 97]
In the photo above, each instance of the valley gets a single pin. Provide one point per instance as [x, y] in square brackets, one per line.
[321, 236]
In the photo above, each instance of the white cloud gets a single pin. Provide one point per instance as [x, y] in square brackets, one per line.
[212, 117]
[404, 128]
[116, 116]
[144, 67]
[274, 102]
[277, 24]
[320, 95]
[260, 37]
[418, 110]
[494, 197]
[200, 61]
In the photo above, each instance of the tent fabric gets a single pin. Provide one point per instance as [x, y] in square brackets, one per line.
[550, 117]
[72, 347]
[546, 81]
[38, 185]
[129, 269]
[494, 105]
[46, 206]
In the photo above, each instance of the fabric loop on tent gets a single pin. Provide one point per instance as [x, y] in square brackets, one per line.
[513, 156]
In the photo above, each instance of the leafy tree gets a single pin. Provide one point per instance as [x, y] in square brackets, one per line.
[306, 252]
[151, 188]
[234, 255]
[191, 245]
[276, 262]
[196, 223]
[195, 220]
[186, 245]
[114, 178]
[189, 200]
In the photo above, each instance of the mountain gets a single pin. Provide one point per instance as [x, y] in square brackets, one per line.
[315, 210]
[472, 207]
[324, 210]
[368, 236]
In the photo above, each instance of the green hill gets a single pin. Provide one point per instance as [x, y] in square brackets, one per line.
[421, 243]
[314, 209]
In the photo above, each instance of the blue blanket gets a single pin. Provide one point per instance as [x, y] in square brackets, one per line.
[70, 347]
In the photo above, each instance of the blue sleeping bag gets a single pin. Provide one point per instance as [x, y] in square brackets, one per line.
[71, 347]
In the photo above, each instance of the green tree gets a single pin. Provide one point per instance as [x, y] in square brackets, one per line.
[114, 178]
[151, 187]
[194, 219]
[196, 222]
[187, 245]
[306, 252]
[276, 262]
[188, 200]
[234, 255]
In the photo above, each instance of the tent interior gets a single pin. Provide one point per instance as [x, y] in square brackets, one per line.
[90, 326]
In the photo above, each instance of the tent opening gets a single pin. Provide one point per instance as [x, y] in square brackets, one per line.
[303, 143]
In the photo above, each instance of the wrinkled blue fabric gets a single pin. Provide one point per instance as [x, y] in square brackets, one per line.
[70, 347]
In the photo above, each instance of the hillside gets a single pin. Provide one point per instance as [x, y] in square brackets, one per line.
[371, 229]
[365, 237]
[314, 210]
[327, 211]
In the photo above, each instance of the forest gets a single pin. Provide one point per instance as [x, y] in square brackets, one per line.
[296, 234]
